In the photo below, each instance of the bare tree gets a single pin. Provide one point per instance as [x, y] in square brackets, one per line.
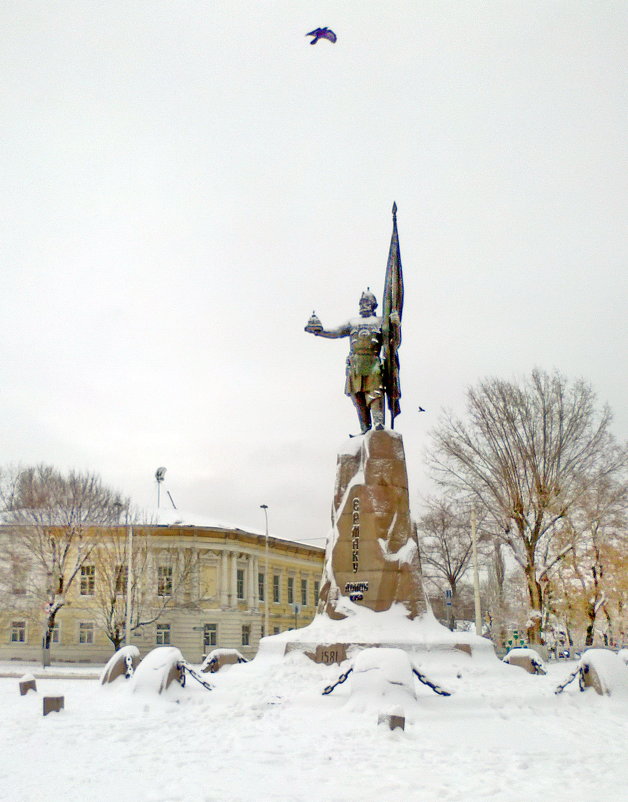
[445, 544]
[151, 594]
[524, 454]
[596, 564]
[51, 514]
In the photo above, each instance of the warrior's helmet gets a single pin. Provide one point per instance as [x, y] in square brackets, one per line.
[369, 297]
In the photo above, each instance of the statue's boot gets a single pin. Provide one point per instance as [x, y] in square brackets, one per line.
[377, 413]
[364, 415]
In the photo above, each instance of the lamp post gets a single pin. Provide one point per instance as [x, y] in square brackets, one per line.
[476, 578]
[266, 584]
[160, 475]
[129, 578]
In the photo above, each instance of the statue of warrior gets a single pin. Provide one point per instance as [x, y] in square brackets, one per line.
[365, 380]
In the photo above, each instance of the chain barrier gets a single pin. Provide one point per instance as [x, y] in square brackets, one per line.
[342, 678]
[129, 667]
[193, 673]
[560, 688]
[436, 688]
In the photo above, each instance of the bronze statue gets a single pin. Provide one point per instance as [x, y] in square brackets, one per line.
[373, 363]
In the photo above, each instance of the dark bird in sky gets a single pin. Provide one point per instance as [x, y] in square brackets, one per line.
[421, 409]
[322, 33]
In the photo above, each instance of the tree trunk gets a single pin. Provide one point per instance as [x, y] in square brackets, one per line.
[534, 630]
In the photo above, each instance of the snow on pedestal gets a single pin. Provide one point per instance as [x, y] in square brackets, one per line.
[121, 664]
[371, 590]
[158, 670]
[528, 659]
[604, 671]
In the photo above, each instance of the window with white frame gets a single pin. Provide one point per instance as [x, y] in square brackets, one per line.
[56, 634]
[210, 635]
[304, 592]
[162, 635]
[261, 586]
[276, 589]
[88, 580]
[164, 580]
[240, 583]
[86, 633]
[18, 631]
[246, 634]
[290, 590]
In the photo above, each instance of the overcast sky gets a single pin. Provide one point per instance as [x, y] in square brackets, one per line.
[183, 182]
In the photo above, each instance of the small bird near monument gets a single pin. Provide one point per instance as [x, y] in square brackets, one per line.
[322, 33]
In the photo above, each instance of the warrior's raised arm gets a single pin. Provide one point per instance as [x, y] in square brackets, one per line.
[363, 379]
[314, 326]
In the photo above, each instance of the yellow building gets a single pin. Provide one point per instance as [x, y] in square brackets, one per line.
[194, 587]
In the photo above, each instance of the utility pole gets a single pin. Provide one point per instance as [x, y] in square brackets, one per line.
[266, 576]
[476, 577]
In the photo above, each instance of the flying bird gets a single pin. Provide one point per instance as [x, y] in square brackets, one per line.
[322, 33]
[421, 409]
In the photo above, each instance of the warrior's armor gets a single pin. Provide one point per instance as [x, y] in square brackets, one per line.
[364, 367]
[364, 376]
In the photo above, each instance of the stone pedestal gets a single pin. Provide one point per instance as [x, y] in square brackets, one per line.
[371, 590]
[372, 556]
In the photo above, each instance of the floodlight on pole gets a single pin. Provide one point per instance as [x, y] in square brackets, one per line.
[266, 583]
[160, 475]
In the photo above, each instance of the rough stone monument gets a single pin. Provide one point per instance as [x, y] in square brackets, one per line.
[372, 556]
[371, 590]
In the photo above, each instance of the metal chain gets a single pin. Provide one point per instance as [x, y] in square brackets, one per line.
[436, 688]
[560, 688]
[342, 678]
[193, 673]
[129, 667]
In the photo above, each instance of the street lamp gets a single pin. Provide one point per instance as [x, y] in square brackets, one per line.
[266, 583]
[160, 475]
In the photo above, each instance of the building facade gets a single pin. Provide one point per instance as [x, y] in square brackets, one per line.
[194, 587]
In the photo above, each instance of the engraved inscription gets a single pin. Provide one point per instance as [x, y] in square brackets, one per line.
[355, 535]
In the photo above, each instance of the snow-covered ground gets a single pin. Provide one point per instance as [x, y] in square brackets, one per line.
[266, 733]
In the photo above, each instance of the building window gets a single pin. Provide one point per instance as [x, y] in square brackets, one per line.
[164, 580]
[290, 590]
[317, 587]
[210, 635]
[240, 583]
[55, 635]
[162, 637]
[122, 575]
[276, 630]
[18, 632]
[86, 633]
[88, 580]
[276, 590]
[304, 592]
[246, 634]
[261, 586]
